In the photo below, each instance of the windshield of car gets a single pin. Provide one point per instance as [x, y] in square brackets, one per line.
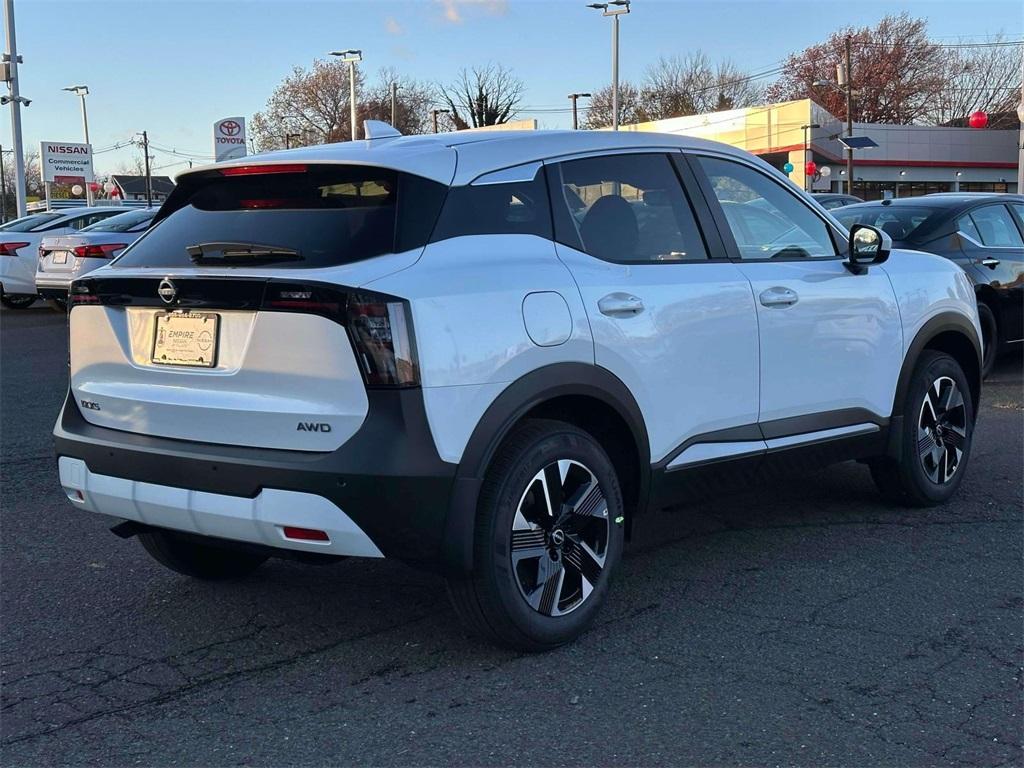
[123, 222]
[31, 222]
[320, 216]
[898, 222]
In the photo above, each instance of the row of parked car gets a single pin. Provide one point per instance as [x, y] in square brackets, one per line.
[41, 253]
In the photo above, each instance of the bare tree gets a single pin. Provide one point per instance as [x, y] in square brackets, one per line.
[313, 103]
[481, 96]
[631, 107]
[691, 85]
[897, 72]
[412, 103]
[986, 79]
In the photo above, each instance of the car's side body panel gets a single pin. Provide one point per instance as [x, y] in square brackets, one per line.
[468, 296]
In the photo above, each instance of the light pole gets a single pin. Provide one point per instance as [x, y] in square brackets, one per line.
[394, 102]
[351, 56]
[575, 117]
[11, 61]
[805, 128]
[614, 8]
[434, 113]
[82, 91]
[844, 84]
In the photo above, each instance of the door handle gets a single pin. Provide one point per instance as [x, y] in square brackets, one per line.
[778, 297]
[990, 263]
[620, 305]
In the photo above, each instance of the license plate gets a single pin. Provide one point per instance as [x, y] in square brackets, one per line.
[186, 338]
[60, 257]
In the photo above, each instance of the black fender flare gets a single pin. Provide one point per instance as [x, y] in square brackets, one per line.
[514, 402]
[942, 323]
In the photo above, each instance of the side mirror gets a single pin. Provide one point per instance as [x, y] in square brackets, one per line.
[868, 245]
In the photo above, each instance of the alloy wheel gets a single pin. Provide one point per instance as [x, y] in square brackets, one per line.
[942, 430]
[560, 536]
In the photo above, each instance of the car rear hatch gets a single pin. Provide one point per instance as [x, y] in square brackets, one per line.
[238, 318]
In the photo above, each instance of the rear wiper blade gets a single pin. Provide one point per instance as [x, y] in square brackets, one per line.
[221, 252]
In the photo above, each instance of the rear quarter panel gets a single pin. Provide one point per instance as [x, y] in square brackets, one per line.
[467, 296]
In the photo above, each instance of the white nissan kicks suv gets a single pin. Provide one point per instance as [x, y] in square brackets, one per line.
[488, 353]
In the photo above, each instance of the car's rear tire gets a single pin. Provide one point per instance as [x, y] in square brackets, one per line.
[18, 300]
[938, 429]
[989, 338]
[539, 578]
[201, 559]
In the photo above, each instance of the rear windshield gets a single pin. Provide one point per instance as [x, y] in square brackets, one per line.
[317, 217]
[28, 223]
[896, 221]
[122, 222]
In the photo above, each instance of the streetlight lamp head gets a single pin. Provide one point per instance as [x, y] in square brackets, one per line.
[350, 54]
[822, 83]
[599, 6]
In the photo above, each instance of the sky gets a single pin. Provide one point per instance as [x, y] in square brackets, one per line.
[173, 67]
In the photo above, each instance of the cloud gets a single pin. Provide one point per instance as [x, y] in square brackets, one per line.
[454, 10]
[393, 27]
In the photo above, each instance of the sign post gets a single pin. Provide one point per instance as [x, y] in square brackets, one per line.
[229, 139]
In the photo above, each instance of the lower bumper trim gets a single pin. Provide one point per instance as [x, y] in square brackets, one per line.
[257, 520]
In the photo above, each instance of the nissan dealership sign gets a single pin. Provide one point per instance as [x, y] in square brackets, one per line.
[65, 163]
[229, 138]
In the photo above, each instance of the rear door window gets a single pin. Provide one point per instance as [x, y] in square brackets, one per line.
[306, 217]
[996, 227]
[628, 208]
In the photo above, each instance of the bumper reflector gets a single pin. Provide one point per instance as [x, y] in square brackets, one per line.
[304, 534]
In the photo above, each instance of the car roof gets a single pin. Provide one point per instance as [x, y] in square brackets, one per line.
[460, 157]
[87, 209]
[945, 209]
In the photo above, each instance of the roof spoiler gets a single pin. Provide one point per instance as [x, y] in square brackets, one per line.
[378, 129]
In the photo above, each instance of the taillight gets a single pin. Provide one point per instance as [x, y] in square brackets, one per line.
[381, 331]
[379, 326]
[104, 251]
[10, 249]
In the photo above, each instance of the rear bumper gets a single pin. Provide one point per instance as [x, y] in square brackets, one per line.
[385, 492]
[51, 286]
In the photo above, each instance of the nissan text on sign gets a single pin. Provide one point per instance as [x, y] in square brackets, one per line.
[66, 163]
[229, 138]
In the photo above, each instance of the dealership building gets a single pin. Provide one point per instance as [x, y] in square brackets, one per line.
[908, 160]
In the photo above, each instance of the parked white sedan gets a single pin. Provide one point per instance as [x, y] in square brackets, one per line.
[63, 258]
[19, 245]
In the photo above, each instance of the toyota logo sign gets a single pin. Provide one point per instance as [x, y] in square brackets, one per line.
[229, 138]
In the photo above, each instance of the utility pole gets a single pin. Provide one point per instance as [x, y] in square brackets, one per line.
[288, 139]
[849, 116]
[149, 180]
[394, 102]
[575, 116]
[12, 60]
[434, 113]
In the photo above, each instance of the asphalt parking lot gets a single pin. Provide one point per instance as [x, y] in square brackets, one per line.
[803, 624]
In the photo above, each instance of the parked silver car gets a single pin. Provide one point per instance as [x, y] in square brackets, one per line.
[63, 258]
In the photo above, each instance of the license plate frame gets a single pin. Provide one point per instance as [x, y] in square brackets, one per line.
[174, 346]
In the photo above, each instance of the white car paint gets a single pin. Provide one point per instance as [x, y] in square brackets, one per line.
[263, 385]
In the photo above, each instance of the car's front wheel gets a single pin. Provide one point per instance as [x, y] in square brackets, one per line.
[199, 557]
[18, 300]
[938, 428]
[549, 534]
